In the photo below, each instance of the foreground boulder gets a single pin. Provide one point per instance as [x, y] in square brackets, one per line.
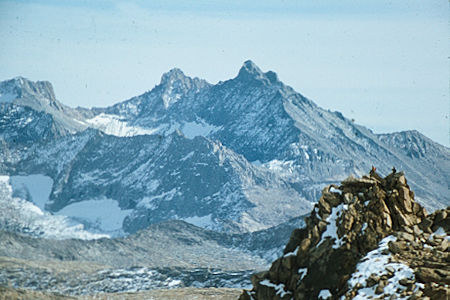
[366, 238]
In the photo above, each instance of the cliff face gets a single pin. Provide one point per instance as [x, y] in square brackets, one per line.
[366, 237]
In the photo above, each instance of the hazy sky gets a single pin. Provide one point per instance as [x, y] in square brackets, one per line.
[383, 63]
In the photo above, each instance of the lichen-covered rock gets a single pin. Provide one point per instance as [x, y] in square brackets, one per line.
[367, 238]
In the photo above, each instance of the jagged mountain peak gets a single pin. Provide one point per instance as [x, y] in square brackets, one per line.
[367, 236]
[251, 68]
[175, 84]
[250, 71]
[172, 75]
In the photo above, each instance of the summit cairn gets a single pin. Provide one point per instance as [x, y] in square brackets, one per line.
[364, 239]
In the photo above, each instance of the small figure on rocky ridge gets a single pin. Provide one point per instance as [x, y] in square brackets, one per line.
[394, 170]
[373, 173]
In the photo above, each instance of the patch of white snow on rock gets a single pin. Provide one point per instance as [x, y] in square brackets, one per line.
[279, 288]
[324, 294]
[376, 262]
[331, 230]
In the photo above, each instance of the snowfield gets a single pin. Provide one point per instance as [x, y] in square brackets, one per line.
[19, 215]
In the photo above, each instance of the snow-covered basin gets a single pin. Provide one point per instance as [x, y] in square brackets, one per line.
[25, 216]
[102, 214]
[37, 187]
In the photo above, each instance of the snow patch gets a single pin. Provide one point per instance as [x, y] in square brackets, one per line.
[20, 215]
[114, 125]
[279, 288]
[151, 202]
[193, 129]
[441, 232]
[189, 155]
[375, 262]
[364, 227]
[324, 294]
[302, 272]
[103, 214]
[174, 282]
[203, 222]
[293, 253]
[256, 163]
[335, 190]
[35, 188]
[331, 230]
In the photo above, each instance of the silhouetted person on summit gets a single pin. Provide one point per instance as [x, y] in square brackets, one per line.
[373, 173]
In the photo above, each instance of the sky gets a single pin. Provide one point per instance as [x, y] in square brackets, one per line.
[383, 63]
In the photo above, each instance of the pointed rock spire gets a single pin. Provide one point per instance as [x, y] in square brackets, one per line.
[250, 70]
[173, 75]
[175, 84]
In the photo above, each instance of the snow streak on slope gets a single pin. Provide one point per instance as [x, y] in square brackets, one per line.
[20, 215]
[114, 125]
[117, 126]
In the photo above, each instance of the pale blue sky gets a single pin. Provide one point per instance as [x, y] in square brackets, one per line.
[383, 63]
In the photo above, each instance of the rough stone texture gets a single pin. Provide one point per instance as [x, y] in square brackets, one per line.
[360, 213]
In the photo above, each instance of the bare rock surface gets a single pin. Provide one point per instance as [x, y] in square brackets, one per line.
[367, 238]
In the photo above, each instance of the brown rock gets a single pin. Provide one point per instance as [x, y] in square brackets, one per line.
[372, 280]
[440, 216]
[256, 278]
[304, 245]
[396, 247]
[405, 199]
[404, 236]
[324, 206]
[380, 288]
[427, 275]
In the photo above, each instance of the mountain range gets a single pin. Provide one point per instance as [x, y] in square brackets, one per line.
[241, 155]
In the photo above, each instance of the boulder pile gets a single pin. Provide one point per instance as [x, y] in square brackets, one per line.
[365, 239]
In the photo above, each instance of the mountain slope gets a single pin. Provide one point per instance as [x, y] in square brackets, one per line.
[159, 178]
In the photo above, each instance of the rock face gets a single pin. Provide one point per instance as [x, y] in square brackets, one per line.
[365, 238]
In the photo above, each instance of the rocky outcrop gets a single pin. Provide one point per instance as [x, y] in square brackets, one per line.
[366, 238]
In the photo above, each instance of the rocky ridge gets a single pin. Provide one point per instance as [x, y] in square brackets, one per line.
[366, 238]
